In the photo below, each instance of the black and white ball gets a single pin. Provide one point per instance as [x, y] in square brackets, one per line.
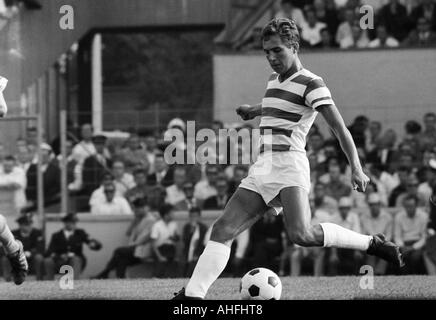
[260, 284]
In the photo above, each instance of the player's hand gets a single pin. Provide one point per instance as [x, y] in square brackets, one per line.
[244, 111]
[359, 180]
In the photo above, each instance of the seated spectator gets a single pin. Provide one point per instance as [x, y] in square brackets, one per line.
[327, 14]
[33, 246]
[427, 10]
[193, 236]
[383, 181]
[240, 171]
[266, 239]
[383, 39]
[357, 40]
[411, 190]
[334, 182]
[95, 166]
[85, 148]
[326, 40]
[122, 179]
[403, 174]
[290, 11]
[141, 188]
[394, 16]
[410, 233]
[98, 195]
[323, 201]
[218, 201]
[151, 150]
[374, 136]
[175, 192]
[156, 197]
[163, 175]
[377, 221]
[384, 151]
[189, 200]
[358, 130]
[311, 30]
[66, 248]
[345, 31]
[12, 187]
[51, 179]
[164, 237]
[139, 244]
[345, 261]
[315, 146]
[425, 189]
[206, 188]
[132, 154]
[316, 254]
[111, 204]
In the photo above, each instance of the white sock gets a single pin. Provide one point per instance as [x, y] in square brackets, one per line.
[211, 263]
[7, 239]
[339, 237]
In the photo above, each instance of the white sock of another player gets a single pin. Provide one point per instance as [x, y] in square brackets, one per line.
[7, 238]
[210, 265]
[339, 237]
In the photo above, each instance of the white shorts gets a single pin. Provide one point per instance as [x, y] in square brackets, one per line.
[274, 171]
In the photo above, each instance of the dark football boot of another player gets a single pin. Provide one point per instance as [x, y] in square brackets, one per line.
[386, 250]
[19, 266]
[182, 296]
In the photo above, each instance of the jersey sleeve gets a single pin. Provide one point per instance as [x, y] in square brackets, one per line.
[3, 83]
[317, 94]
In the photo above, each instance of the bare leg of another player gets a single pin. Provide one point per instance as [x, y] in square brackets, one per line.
[296, 211]
[242, 211]
[14, 252]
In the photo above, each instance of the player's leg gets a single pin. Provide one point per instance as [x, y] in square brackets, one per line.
[318, 261]
[243, 209]
[297, 215]
[14, 252]
[296, 260]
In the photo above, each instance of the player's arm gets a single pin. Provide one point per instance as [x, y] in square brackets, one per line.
[3, 105]
[248, 112]
[336, 123]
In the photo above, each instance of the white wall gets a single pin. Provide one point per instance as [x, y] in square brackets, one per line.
[391, 86]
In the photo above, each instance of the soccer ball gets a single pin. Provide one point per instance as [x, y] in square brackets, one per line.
[260, 284]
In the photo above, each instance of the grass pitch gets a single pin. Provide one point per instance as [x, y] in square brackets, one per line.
[302, 288]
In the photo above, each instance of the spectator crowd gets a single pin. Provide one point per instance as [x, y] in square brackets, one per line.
[327, 24]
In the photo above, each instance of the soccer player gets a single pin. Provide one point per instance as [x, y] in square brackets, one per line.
[13, 248]
[280, 177]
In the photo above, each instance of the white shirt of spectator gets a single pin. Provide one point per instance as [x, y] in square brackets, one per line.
[204, 190]
[16, 197]
[98, 196]
[312, 34]
[118, 206]
[163, 232]
[125, 183]
[68, 233]
[383, 223]
[83, 150]
[390, 43]
[174, 195]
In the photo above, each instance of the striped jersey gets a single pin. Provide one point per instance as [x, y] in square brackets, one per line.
[289, 110]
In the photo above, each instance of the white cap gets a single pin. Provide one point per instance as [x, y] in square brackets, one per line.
[177, 122]
[374, 198]
[345, 202]
[45, 146]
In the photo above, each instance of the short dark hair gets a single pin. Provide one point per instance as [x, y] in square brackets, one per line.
[286, 29]
[9, 158]
[165, 209]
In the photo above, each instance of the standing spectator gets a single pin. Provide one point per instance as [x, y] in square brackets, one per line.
[95, 166]
[175, 192]
[141, 188]
[132, 154]
[139, 244]
[66, 248]
[163, 175]
[193, 236]
[394, 16]
[164, 236]
[383, 39]
[112, 204]
[290, 11]
[122, 179]
[33, 246]
[12, 187]
[311, 30]
[51, 179]
[410, 233]
[349, 259]
[427, 10]
[378, 221]
[85, 147]
[206, 188]
[189, 200]
[218, 201]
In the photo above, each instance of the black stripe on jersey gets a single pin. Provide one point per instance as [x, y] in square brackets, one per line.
[278, 113]
[313, 85]
[302, 79]
[276, 131]
[273, 76]
[285, 95]
[321, 99]
[274, 147]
